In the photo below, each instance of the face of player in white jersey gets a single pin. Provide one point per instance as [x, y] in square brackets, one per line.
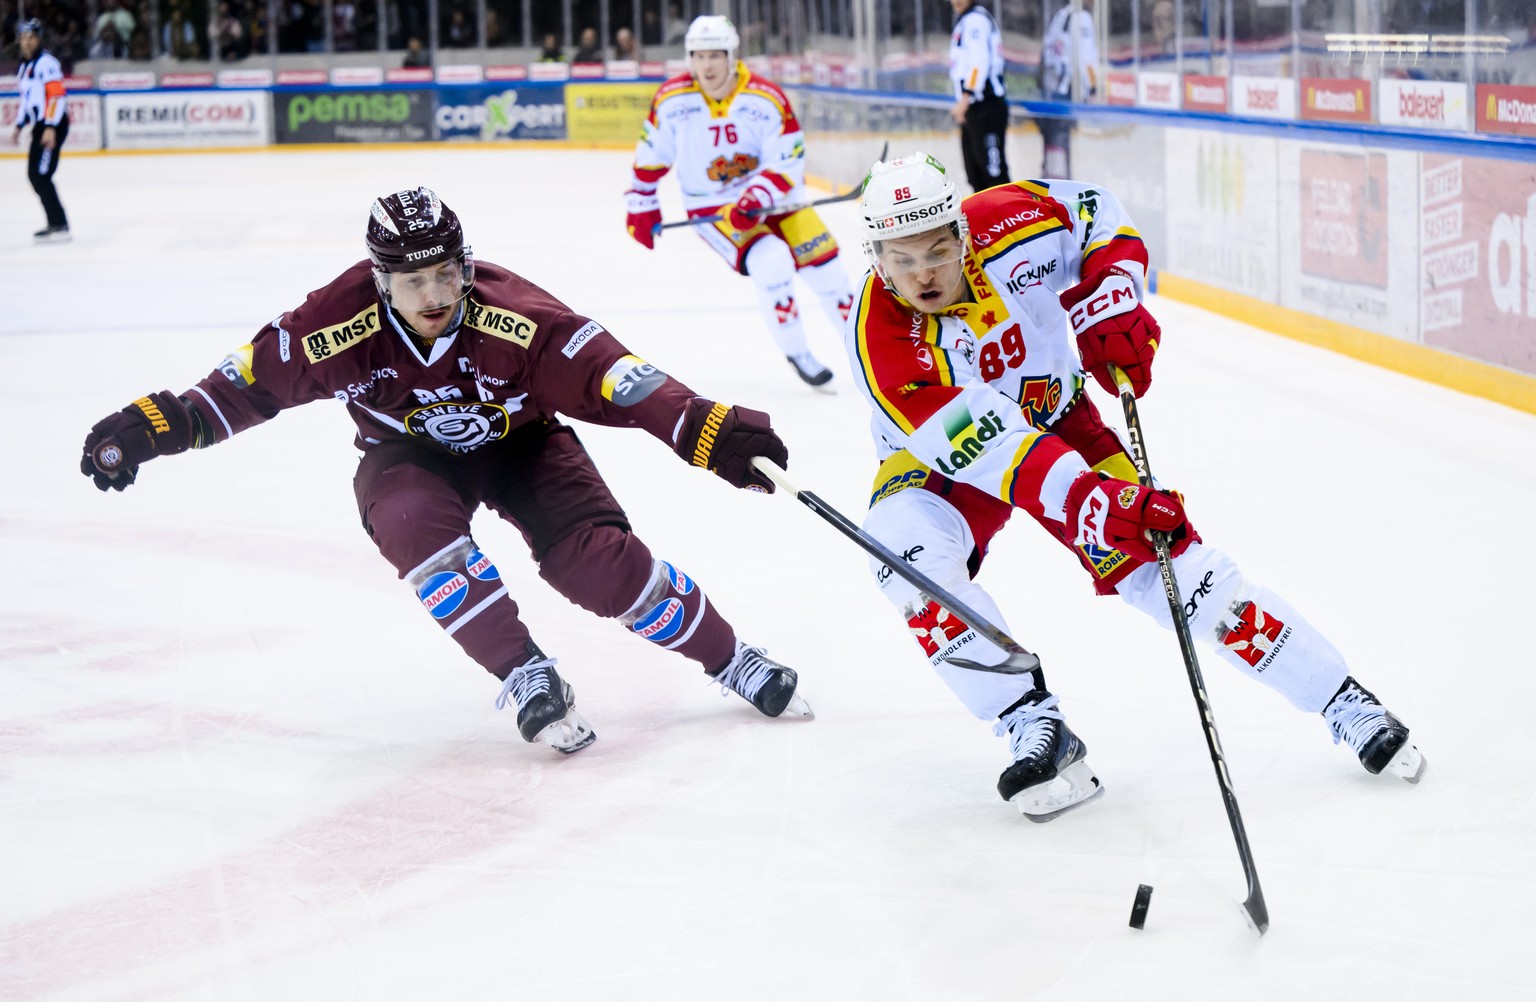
[714, 70]
[926, 269]
[427, 298]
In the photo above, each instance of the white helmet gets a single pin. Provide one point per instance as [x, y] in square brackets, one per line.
[710, 33]
[911, 194]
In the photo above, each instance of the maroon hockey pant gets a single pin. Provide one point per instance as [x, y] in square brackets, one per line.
[416, 503]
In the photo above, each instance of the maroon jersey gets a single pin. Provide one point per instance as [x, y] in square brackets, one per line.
[518, 355]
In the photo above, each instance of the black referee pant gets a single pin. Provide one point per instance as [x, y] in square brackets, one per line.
[981, 143]
[42, 164]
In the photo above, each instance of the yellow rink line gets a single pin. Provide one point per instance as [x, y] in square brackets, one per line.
[1433, 365]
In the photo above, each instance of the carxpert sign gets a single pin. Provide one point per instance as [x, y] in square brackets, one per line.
[606, 112]
[185, 119]
[348, 116]
[500, 111]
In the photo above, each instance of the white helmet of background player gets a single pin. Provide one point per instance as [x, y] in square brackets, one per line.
[907, 196]
[712, 33]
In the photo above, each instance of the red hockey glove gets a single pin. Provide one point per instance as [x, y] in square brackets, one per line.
[761, 195]
[644, 215]
[157, 425]
[724, 440]
[1117, 515]
[1112, 327]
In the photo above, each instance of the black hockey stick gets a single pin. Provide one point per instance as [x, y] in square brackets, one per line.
[1020, 661]
[718, 217]
[1253, 905]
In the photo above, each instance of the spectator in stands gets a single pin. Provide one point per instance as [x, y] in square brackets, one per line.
[344, 26]
[115, 14]
[178, 39]
[109, 44]
[138, 46]
[650, 26]
[551, 52]
[677, 25]
[457, 34]
[1164, 37]
[416, 55]
[588, 51]
[624, 45]
[493, 37]
[226, 35]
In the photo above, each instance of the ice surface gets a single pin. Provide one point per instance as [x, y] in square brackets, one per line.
[238, 762]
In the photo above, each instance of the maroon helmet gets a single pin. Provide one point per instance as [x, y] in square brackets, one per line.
[412, 229]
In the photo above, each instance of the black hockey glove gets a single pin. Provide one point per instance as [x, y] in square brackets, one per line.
[160, 424]
[724, 440]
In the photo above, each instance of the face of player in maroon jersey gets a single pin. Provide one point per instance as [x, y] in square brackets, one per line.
[427, 298]
[925, 268]
[714, 71]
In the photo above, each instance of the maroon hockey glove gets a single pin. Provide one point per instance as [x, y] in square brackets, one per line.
[724, 440]
[157, 425]
[1112, 327]
[1117, 515]
[644, 216]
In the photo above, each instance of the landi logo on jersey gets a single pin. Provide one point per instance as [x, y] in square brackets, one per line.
[1256, 637]
[968, 435]
[725, 171]
[443, 593]
[329, 341]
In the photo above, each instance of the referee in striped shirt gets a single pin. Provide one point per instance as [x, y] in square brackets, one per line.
[980, 109]
[44, 107]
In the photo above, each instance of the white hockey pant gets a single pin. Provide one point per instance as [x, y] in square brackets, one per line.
[830, 283]
[1270, 642]
[1249, 627]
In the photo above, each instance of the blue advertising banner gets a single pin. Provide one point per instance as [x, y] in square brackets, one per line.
[501, 111]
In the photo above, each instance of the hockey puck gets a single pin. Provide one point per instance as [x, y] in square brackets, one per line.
[1139, 908]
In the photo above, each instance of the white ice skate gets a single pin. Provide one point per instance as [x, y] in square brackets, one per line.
[1048, 776]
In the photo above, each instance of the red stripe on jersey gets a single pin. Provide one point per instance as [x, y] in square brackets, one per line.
[1121, 247]
[898, 358]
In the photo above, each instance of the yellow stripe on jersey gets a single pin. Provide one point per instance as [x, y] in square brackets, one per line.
[1124, 231]
[944, 376]
[1027, 446]
[1034, 188]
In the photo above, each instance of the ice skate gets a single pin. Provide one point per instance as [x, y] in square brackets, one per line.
[1048, 776]
[765, 684]
[809, 369]
[60, 235]
[546, 706]
[1357, 717]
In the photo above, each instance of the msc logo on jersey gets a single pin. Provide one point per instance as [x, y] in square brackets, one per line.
[725, 171]
[458, 426]
[323, 344]
[503, 324]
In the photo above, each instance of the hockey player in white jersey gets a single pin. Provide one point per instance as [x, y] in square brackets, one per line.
[962, 342]
[737, 149]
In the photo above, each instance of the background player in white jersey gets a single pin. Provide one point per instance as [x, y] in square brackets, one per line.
[45, 107]
[963, 339]
[734, 142]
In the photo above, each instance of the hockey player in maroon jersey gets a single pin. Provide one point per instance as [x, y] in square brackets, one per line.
[963, 339]
[454, 372]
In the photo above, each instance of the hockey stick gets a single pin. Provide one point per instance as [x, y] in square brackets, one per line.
[1253, 905]
[1020, 661]
[769, 210]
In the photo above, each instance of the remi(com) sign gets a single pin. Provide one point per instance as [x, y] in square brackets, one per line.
[187, 119]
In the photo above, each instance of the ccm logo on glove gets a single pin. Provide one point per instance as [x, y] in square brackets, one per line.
[1115, 295]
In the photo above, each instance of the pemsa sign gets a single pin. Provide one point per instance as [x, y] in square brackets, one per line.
[373, 116]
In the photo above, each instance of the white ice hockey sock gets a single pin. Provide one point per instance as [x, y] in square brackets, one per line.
[830, 283]
[771, 267]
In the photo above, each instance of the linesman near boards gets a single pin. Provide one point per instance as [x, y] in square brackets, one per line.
[981, 105]
[454, 372]
[45, 107]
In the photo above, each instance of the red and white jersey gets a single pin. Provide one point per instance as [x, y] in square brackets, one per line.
[971, 392]
[518, 355]
[715, 147]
